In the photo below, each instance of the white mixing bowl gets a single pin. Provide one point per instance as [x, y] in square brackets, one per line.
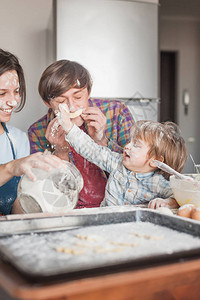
[186, 191]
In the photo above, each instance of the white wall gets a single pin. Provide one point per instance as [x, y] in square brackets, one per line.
[117, 41]
[26, 31]
[183, 35]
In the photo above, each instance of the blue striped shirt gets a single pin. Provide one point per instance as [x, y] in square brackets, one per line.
[124, 187]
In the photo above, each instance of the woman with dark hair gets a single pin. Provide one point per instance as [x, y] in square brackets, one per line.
[15, 148]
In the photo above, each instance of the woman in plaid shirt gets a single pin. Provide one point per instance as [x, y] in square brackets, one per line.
[107, 122]
[134, 178]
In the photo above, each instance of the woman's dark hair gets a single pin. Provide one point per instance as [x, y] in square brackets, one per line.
[61, 76]
[9, 62]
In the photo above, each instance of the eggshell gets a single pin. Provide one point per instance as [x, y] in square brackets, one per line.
[186, 210]
[196, 214]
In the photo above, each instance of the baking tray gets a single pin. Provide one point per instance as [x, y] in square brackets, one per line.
[96, 241]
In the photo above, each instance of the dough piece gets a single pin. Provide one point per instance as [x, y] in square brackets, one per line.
[70, 250]
[72, 115]
[147, 237]
[124, 244]
[164, 210]
[76, 113]
[102, 250]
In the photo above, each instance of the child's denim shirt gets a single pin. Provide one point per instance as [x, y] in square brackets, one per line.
[124, 187]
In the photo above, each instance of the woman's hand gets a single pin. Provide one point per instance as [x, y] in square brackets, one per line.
[40, 160]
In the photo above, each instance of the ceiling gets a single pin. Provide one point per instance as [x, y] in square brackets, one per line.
[180, 8]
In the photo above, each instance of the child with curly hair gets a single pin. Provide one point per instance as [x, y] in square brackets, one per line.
[134, 177]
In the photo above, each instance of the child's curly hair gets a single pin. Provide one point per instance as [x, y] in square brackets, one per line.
[164, 140]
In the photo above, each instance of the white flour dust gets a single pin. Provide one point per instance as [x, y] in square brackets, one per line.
[94, 246]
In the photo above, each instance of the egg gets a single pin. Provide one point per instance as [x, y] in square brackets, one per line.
[196, 214]
[186, 210]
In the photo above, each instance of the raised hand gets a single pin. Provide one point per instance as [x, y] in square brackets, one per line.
[96, 122]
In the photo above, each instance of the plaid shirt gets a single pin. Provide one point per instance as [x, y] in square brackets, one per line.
[123, 187]
[119, 122]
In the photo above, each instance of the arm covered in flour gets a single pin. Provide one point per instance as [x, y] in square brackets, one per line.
[85, 146]
[25, 165]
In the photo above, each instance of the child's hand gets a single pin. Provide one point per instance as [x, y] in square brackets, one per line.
[159, 202]
[64, 117]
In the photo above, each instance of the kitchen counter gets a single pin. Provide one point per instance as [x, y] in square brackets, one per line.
[173, 281]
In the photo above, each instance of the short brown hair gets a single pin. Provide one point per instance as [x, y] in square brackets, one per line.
[9, 62]
[164, 139]
[62, 75]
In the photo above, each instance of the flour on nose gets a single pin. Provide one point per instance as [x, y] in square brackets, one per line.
[12, 103]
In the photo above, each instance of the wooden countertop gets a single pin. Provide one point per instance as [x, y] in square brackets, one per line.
[178, 281]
